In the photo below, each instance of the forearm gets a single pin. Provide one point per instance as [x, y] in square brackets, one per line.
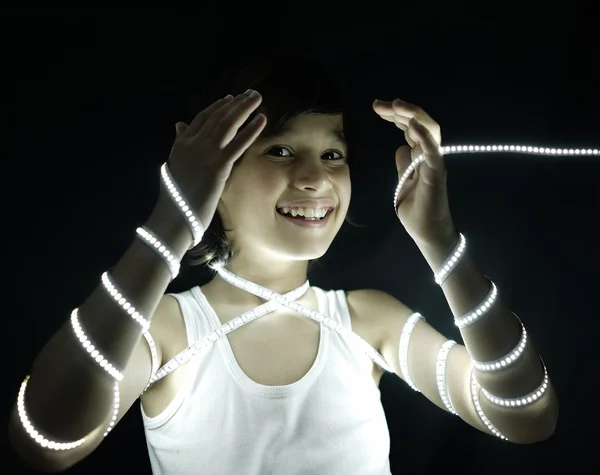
[490, 337]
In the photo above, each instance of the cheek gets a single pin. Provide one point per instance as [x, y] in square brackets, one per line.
[252, 188]
[344, 188]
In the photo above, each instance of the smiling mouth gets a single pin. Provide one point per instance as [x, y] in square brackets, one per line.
[304, 218]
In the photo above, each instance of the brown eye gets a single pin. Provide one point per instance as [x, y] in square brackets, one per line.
[272, 150]
[334, 152]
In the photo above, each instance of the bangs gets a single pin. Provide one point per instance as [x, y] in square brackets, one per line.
[290, 85]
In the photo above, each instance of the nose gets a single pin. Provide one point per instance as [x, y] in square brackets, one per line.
[311, 175]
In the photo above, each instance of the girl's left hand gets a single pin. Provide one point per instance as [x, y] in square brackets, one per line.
[423, 207]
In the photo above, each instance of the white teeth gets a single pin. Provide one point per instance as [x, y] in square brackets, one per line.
[309, 213]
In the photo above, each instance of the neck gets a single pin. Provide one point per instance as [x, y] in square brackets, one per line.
[280, 276]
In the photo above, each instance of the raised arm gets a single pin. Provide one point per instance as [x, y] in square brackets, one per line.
[495, 381]
[96, 365]
[68, 396]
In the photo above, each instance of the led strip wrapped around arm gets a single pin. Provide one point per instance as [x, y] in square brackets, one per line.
[177, 196]
[172, 262]
[33, 433]
[91, 349]
[97, 358]
[451, 262]
[523, 400]
[480, 311]
[407, 330]
[197, 231]
[165, 253]
[478, 408]
[505, 402]
[117, 295]
[104, 364]
[506, 360]
[440, 372]
[486, 366]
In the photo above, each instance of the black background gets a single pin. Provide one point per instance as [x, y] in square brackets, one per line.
[91, 98]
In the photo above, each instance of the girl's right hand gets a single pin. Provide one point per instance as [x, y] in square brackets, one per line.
[204, 151]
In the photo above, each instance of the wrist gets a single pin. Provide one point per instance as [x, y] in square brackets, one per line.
[436, 252]
[168, 225]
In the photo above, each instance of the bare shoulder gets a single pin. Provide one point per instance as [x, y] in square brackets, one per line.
[367, 303]
[167, 309]
[376, 310]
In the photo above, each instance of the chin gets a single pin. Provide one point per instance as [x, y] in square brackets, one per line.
[306, 253]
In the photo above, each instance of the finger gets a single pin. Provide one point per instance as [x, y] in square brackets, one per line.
[180, 128]
[204, 115]
[387, 107]
[410, 136]
[410, 139]
[390, 108]
[431, 149]
[407, 111]
[217, 116]
[403, 158]
[404, 109]
[383, 107]
[226, 127]
[388, 118]
[245, 137]
[401, 126]
[402, 112]
[391, 113]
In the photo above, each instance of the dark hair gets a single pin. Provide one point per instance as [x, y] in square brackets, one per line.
[290, 86]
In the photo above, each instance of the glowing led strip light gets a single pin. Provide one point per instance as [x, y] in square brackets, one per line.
[440, 372]
[265, 293]
[117, 296]
[407, 330]
[202, 345]
[103, 363]
[446, 150]
[451, 262]
[475, 396]
[522, 400]
[190, 217]
[506, 360]
[471, 317]
[92, 350]
[197, 232]
[164, 251]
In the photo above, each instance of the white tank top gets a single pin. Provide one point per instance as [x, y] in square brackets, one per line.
[330, 422]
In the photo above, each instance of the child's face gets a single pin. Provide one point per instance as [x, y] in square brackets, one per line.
[308, 161]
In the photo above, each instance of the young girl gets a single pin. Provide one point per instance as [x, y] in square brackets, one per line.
[257, 372]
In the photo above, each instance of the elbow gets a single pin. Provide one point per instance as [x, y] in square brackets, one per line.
[32, 455]
[547, 426]
[549, 419]
[541, 427]
[33, 459]
[534, 436]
